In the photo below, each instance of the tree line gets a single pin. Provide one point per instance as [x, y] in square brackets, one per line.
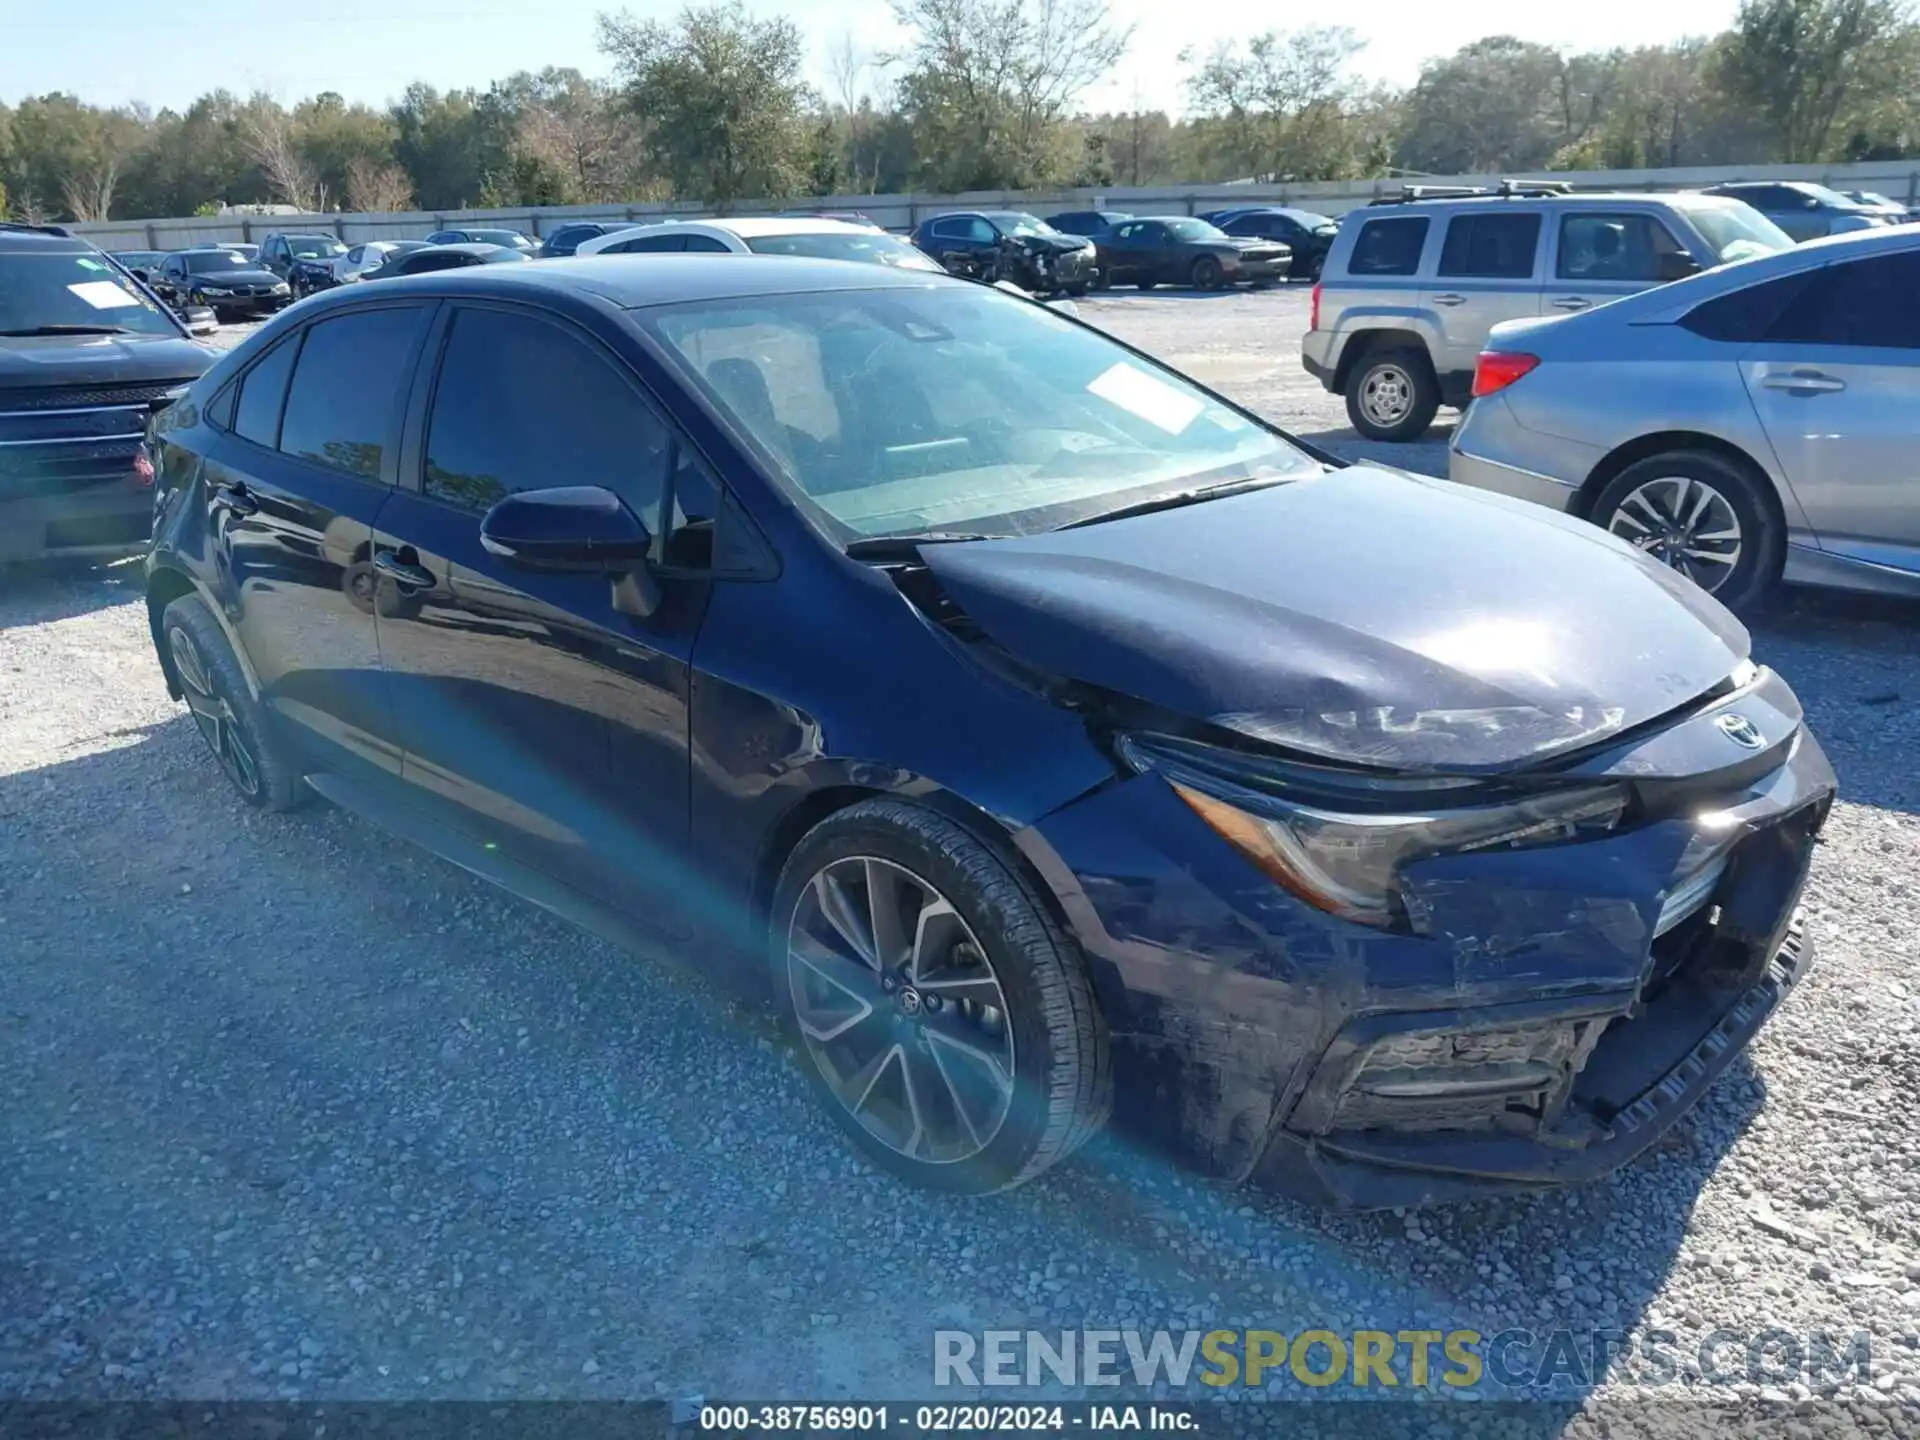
[715, 107]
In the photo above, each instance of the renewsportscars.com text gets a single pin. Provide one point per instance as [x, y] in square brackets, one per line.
[1512, 1360]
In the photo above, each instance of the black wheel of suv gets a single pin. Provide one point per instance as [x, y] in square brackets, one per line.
[945, 1020]
[1707, 516]
[1392, 395]
[1206, 273]
[229, 719]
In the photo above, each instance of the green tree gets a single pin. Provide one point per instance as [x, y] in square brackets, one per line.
[989, 85]
[1803, 65]
[1273, 105]
[719, 97]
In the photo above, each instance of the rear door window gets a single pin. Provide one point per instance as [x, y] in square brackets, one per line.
[343, 407]
[263, 390]
[1389, 247]
[1622, 246]
[1872, 303]
[1491, 247]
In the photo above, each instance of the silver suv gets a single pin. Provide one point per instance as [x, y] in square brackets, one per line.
[1411, 288]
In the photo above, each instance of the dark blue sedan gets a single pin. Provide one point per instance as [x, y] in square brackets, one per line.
[1047, 734]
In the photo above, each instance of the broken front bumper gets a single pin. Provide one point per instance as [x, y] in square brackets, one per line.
[1561, 1008]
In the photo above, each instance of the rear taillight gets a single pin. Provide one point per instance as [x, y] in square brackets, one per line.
[1313, 316]
[142, 468]
[1499, 369]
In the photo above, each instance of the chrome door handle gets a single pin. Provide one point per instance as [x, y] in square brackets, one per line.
[1804, 382]
[404, 575]
[1571, 302]
[1449, 300]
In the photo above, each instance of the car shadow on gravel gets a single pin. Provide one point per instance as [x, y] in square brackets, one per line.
[38, 591]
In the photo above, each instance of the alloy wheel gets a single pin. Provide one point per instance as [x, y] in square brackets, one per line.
[212, 713]
[900, 1010]
[1386, 395]
[1684, 523]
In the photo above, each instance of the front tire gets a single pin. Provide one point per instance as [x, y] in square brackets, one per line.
[943, 1017]
[1704, 515]
[1207, 274]
[1392, 395]
[228, 717]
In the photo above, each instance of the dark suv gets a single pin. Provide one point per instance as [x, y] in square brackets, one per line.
[282, 253]
[85, 359]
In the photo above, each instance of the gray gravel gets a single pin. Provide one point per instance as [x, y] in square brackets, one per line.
[290, 1109]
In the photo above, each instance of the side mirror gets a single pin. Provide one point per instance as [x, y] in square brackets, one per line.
[576, 528]
[1676, 265]
[201, 320]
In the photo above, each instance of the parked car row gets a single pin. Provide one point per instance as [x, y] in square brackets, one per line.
[1043, 735]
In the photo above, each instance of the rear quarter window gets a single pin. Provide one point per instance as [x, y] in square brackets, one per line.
[1389, 247]
[1749, 314]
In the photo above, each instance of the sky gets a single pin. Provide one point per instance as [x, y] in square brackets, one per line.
[370, 50]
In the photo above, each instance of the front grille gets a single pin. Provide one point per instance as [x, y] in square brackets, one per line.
[91, 397]
[28, 471]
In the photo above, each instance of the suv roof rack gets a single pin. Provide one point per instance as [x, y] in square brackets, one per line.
[22, 227]
[1505, 190]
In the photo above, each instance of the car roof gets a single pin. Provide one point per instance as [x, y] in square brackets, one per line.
[665, 279]
[469, 247]
[41, 242]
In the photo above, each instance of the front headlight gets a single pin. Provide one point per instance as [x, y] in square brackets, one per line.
[282, 289]
[1342, 854]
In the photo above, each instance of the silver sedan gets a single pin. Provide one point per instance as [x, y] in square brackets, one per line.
[1754, 424]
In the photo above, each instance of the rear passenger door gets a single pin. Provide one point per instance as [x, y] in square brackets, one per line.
[1600, 255]
[293, 488]
[1488, 271]
[1837, 387]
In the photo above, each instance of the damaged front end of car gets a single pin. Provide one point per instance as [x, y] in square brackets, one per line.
[1385, 954]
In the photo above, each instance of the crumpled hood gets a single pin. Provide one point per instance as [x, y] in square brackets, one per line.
[216, 279]
[1361, 616]
[1055, 244]
[34, 360]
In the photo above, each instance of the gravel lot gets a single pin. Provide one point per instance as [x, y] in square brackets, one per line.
[290, 1109]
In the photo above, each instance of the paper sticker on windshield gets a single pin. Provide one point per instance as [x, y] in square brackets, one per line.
[86, 264]
[1154, 401]
[103, 295]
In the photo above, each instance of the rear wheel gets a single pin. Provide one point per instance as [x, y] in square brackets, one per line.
[943, 1018]
[1392, 395]
[1704, 515]
[229, 719]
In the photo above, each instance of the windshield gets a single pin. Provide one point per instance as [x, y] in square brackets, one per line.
[901, 411]
[1738, 232]
[1875, 199]
[501, 237]
[875, 248]
[65, 290]
[206, 262]
[1195, 230]
[314, 247]
[1015, 223]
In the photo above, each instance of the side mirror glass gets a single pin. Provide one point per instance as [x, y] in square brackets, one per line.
[575, 528]
[1675, 265]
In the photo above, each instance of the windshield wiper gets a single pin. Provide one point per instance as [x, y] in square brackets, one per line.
[71, 330]
[1178, 498]
[905, 547]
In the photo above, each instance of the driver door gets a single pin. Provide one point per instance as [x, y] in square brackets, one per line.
[537, 714]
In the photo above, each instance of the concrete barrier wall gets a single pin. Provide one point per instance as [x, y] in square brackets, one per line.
[1899, 179]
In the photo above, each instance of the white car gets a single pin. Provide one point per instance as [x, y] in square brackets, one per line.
[369, 256]
[811, 236]
[764, 235]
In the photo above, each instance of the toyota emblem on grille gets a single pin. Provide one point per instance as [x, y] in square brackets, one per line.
[1742, 731]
